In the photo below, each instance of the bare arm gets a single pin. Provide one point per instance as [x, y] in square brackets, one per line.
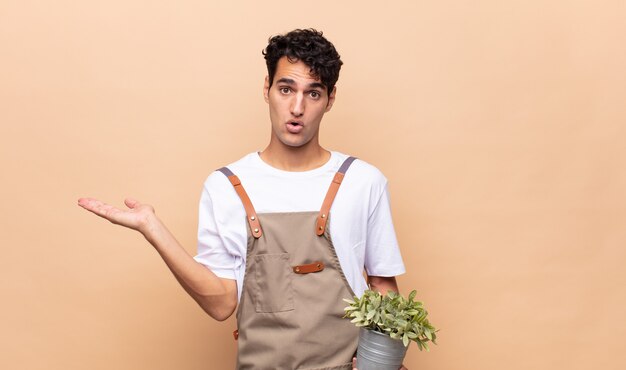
[382, 284]
[216, 296]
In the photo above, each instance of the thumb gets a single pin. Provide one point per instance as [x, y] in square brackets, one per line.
[131, 203]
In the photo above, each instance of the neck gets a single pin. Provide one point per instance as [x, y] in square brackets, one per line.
[295, 159]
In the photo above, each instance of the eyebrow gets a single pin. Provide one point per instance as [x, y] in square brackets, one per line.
[314, 85]
[317, 85]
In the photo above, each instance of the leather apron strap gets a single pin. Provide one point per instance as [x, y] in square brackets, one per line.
[322, 217]
[251, 216]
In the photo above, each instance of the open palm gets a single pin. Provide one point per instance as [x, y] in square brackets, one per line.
[136, 217]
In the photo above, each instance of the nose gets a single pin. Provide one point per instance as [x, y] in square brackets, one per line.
[297, 105]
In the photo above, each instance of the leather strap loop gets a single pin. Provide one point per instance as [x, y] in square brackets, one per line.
[251, 216]
[309, 268]
[322, 218]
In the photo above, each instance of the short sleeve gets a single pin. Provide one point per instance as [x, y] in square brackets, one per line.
[382, 253]
[212, 250]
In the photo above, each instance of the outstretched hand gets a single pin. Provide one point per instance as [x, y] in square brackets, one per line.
[136, 217]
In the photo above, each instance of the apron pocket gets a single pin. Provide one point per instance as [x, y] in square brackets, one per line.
[273, 291]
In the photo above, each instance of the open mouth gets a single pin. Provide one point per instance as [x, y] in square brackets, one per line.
[294, 127]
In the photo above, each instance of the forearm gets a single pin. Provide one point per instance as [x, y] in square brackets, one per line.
[216, 296]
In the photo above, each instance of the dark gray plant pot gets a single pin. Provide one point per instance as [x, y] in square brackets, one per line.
[378, 351]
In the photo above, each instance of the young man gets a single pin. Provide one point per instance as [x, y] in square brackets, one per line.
[285, 233]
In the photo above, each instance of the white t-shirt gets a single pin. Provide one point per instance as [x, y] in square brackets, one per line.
[360, 219]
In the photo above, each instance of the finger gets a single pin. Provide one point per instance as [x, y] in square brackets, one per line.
[131, 203]
[107, 210]
[83, 201]
[98, 207]
[354, 363]
[89, 204]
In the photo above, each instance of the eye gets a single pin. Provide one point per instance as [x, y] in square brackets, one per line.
[284, 90]
[315, 94]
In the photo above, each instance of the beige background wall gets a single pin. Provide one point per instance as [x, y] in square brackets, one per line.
[500, 125]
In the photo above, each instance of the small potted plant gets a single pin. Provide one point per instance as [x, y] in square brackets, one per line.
[388, 324]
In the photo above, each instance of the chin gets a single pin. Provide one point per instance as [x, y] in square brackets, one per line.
[294, 143]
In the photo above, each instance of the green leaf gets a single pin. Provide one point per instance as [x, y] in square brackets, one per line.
[393, 314]
[377, 301]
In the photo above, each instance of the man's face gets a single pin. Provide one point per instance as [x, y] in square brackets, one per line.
[297, 103]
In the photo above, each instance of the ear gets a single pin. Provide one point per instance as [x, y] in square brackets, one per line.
[331, 99]
[266, 89]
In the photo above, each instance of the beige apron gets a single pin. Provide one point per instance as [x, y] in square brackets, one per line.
[290, 310]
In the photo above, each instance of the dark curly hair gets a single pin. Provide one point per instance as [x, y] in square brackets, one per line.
[310, 47]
